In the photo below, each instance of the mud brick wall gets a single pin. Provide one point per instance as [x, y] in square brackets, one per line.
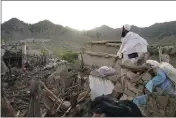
[101, 53]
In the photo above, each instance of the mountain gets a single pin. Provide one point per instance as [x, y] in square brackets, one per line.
[15, 29]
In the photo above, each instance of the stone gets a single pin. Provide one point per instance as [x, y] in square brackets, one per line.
[131, 87]
[67, 104]
[129, 93]
[147, 77]
[124, 97]
[131, 75]
[118, 87]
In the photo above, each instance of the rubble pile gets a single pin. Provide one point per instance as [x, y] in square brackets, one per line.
[59, 89]
[157, 105]
[133, 82]
[42, 91]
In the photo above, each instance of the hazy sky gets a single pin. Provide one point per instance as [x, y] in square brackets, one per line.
[89, 14]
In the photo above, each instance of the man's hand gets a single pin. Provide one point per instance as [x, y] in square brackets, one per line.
[119, 55]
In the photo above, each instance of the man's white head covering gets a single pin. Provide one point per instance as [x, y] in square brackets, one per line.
[127, 27]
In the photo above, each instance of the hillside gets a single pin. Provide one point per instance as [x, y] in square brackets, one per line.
[15, 29]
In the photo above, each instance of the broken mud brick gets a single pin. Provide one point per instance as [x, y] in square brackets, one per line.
[129, 93]
[118, 87]
[131, 75]
[147, 77]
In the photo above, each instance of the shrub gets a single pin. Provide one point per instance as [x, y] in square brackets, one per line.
[44, 51]
[70, 57]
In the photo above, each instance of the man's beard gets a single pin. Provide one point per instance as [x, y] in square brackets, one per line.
[123, 33]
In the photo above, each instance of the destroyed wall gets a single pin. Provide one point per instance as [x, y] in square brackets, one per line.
[101, 53]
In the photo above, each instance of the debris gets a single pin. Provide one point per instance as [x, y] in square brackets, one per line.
[34, 106]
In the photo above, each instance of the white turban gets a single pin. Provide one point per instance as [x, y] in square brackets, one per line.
[127, 27]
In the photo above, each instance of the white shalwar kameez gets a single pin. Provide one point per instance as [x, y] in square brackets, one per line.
[133, 43]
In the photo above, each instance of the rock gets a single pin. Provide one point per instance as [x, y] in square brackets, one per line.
[131, 75]
[124, 97]
[67, 103]
[118, 87]
[129, 93]
[147, 77]
[131, 87]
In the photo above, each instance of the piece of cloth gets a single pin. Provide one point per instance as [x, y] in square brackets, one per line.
[153, 63]
[161, 84]
[160, 78]
[113, 108]
[166, 67]
[99, 86]
[106, 71]
[169, 70]
[127, 27]
[127, 61]
[133, 43]
[141, 100]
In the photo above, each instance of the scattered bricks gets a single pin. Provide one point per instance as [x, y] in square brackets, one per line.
[131, 75]
[129, 93]
[131, 87]
[140, 88]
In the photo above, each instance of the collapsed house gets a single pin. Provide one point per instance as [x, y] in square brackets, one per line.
[58, 88]
[102, 53]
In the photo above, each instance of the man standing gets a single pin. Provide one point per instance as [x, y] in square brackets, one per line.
[133, 46]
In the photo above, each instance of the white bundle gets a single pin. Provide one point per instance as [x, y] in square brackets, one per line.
[153, 63]
[105, 71]
[166, 67]
[99, 86]
[169, 69]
